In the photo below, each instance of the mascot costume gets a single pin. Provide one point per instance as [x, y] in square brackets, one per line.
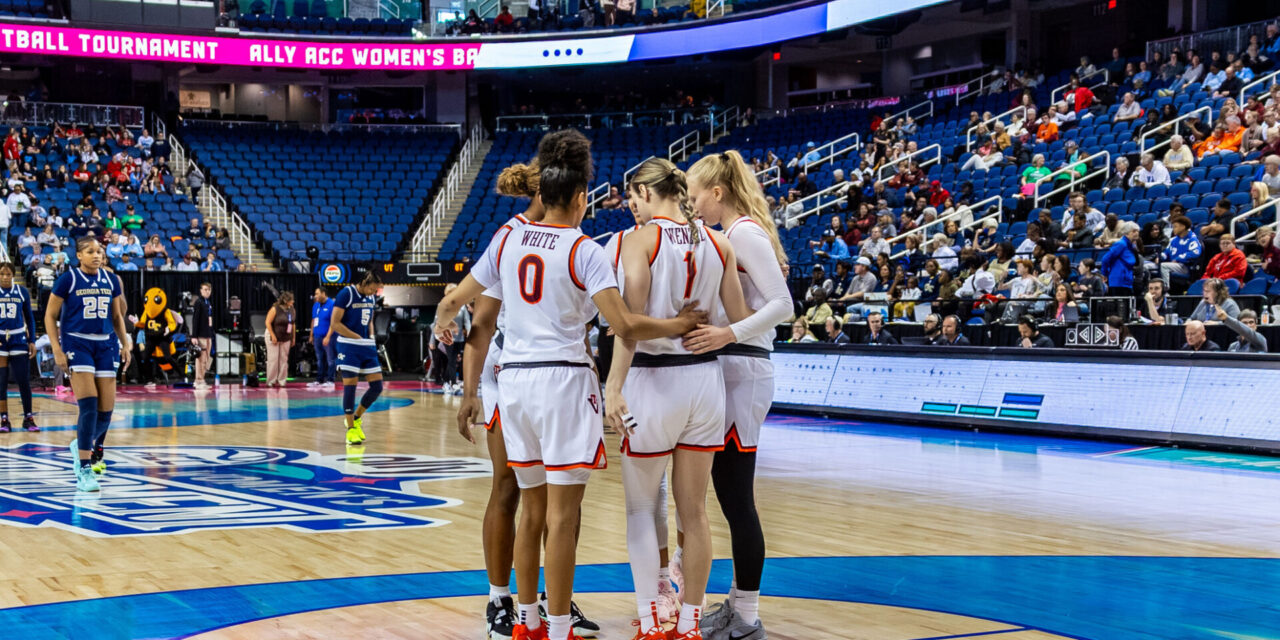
[158, 323]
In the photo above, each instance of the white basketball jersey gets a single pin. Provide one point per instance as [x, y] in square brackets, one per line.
[747, 236]
[548, 274]
[682, 271]
[495, 291]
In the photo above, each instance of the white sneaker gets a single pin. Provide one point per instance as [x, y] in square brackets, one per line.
[313, 385]
[150, 386]
[328, 386]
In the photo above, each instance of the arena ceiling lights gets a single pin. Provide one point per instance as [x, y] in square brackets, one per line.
[39, 39]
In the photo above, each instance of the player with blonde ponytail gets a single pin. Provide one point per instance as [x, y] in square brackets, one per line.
[723, 191]
[668, 402]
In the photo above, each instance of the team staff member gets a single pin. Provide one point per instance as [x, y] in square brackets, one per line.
[321, 312]
[202, 333]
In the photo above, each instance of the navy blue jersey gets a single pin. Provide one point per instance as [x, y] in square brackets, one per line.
[357, 314]
[16, 315]
[86, 306]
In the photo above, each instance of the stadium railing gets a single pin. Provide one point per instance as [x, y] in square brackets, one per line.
[968, 135]
[834, 149]
[1234, 38]
[934, 149]
[1177, 128]
[1270, 204]
[769, 176]
[1268, 79]
[1106, 77]
[1074, 181]
[430, 226]
[954, 215]
[685, 146]
[607, 119]
[47, 113]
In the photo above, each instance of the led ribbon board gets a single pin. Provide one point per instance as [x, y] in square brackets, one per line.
[454, 54]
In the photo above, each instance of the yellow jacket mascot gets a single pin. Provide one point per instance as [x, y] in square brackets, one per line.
[159, 324]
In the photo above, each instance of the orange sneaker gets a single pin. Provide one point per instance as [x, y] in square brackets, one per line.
[692, 634]
[654, 633]
[522, 632]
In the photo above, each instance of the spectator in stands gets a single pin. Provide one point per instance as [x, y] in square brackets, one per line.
[1079, 235]
[1214, 77]
[133, 247]
[1119, 261]
[1269, 174]
[612, 201]
[1083, 100]
[145, 142]
[133, 220]
[1229, 264]
[803, 187]
[1219, 224]
[126, 264]
[985, 240]
[820, 282]
[1179, 156]
[979, 283]
[1191, 73]
[943, 252]
[1093, 217]
[800, 332]
[18, 201]
[1129, 109]
[48, 238]
[1063, 298]
[504, 21]
[187, 264]
[832, 249]
[1184, 250]
[26, 239]
[1085, 69]
[876, 333]
[1269, 242]
[1120, 177]
[1155, 130]
[1231, 84]
[1214, 296]
[985, 156]
[194, 233]
[1246, 327]
[212, 263]
[1197, 338]
[951, 335]
[1219, 141]
[811, 156]
[839, 284]
[1150, 172]
[874, 245]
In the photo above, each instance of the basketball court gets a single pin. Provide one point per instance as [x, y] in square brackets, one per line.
[242, 514]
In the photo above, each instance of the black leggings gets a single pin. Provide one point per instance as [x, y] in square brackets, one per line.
[734, 475]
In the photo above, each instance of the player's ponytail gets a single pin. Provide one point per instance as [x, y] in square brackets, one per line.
[519, 180]
[728, 171]
[662, 178]
[564, 160]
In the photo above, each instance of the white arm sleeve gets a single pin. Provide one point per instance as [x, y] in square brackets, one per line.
[755, 256]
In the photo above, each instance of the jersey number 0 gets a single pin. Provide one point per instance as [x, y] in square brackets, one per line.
[530, 272]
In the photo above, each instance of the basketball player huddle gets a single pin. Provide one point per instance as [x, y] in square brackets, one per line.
[693, 311]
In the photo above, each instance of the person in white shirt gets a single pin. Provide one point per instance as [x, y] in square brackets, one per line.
[1129, 109]
[874, 245]
[18, 201]
[1016, 126]
[1179, 156]
[145, 141]
[187, 264]
[944, 253]
[1093, 217]
[1062, 113]
[1150, 172]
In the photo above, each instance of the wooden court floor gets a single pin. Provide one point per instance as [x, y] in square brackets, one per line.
[242, 514]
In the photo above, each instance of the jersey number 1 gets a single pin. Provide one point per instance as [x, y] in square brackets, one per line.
[690, 271]
[530, 272]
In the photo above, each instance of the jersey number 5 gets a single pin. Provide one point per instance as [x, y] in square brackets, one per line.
[530, 272]
[690, 271]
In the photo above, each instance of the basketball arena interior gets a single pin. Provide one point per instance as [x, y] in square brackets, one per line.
[987, 351]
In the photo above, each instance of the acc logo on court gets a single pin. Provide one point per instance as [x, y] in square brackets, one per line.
[333, 273]
[166, 490]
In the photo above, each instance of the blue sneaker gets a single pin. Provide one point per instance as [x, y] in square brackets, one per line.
[86, 479]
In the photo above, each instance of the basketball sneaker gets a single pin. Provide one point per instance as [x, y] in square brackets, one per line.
[716, 616]
[96, 461]
[355, 435]
[29, 424]
[580, 624]
[654, 633]
[668, 602]
[692, 634]
[86, 481]
[501, 619]
[5, 425]
[735, 628]
[677, 576]
[521, 632]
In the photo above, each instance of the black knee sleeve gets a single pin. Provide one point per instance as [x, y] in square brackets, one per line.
[734, 476]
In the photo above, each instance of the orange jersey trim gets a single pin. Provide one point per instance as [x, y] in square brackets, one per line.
[717, 246]
[495, 422]
[733, 437]
[600, 462]
[572, 253]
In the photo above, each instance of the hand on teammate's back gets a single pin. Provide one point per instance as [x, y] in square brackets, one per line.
[707, 338]
[692, 316]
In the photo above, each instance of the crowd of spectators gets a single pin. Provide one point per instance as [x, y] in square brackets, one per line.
[906, 240]
[106, 184]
